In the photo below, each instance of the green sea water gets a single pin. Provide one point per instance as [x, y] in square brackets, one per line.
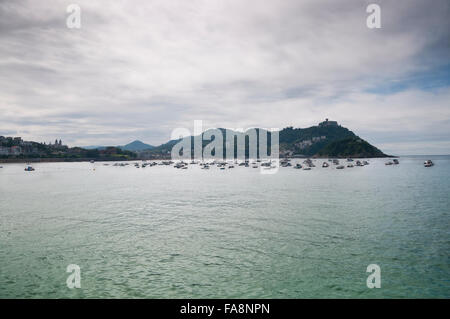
[160, 232]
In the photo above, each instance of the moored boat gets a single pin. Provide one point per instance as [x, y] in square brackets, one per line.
[428, 163]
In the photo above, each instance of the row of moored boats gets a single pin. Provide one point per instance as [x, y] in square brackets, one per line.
[307, 164]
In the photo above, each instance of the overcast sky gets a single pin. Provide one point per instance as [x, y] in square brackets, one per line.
[139, 69]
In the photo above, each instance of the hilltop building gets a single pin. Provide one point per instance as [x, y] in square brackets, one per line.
[328, 123]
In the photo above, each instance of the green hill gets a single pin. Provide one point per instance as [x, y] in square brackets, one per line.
[350, 147]
[328, 139]
[309, 141]
[136, 146]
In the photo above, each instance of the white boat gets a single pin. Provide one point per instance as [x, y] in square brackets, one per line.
[325, 164]
[428, 163]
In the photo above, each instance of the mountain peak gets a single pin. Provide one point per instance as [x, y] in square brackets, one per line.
[136, 145]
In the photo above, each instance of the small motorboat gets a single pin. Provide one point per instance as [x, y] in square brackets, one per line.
[340, 167]
[395, 161]
[298, 166]
[350, 165]
[389, 163]
[307, 168]
[29, 169]
[325, 164]
[428, 163]
[358, 163]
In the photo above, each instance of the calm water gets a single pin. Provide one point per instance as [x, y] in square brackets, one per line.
[160, 232]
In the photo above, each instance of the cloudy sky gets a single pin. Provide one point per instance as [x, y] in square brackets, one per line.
[139, 69]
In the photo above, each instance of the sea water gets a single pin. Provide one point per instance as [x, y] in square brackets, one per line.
[161, 232]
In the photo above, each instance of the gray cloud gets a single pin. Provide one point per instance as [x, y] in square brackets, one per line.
[138, 69]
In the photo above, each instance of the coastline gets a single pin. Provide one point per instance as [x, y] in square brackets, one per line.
[59, 160]
[113, 159]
